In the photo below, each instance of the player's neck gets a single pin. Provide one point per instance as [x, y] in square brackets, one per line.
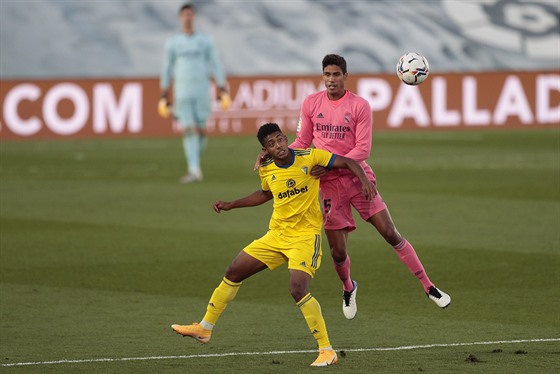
[286, 161]
[189, 30]
[336, 96]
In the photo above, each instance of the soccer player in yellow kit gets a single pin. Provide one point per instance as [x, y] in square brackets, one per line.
[294, 234]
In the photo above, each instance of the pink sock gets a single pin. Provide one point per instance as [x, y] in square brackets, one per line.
[408, 256]
[343, 271]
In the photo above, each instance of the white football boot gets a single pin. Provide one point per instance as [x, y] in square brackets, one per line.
[439, 297]
[349, 307]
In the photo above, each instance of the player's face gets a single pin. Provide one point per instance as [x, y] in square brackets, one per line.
[334, 81]
[276, 144]
[186, 17]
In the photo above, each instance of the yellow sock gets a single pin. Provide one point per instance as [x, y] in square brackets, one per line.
[220, 299]
[311, 310]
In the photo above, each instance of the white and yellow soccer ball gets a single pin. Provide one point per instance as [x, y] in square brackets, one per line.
[413, 68]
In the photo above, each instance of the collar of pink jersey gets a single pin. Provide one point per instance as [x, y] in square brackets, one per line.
[339, 101]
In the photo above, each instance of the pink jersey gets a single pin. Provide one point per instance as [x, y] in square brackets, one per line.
[342, 127]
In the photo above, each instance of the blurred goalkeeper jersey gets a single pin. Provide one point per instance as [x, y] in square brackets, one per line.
[191, 60]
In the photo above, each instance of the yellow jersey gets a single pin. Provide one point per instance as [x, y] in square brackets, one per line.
[296, 208]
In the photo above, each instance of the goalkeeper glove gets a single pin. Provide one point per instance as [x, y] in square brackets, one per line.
[163, 107]
[225, 99]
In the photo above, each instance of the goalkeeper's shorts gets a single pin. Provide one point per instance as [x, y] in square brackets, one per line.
[192, 112]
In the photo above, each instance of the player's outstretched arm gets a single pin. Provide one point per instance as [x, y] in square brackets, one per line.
[368, 187]
[256, 198]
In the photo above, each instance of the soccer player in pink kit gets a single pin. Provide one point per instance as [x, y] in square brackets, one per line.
[339, 121]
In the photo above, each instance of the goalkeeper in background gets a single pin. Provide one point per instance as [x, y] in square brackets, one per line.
[191, 61]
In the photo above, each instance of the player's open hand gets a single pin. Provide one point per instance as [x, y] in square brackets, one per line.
[260, 158]
[369, 190]
[221, 205]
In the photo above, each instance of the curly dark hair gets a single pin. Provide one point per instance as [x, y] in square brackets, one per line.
[337, 60]
[267, 129]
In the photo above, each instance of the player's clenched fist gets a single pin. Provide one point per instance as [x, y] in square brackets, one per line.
[221, 205]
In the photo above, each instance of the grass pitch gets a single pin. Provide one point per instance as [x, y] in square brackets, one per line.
[101, 250]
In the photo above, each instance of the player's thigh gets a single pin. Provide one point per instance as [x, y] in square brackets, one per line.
[335, 201]
[365, 208]
[243, 266]
[202, 110]
[184, 111]
[268, 250]
[304, 253]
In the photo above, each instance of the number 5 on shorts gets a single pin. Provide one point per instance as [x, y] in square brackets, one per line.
[327, 206]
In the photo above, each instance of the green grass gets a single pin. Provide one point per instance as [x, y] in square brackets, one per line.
[101, 249]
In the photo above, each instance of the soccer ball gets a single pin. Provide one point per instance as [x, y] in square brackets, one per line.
[413, 68]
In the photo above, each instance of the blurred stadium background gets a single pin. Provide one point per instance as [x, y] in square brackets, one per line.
[101, 249]
[86, 68]
[82, 38]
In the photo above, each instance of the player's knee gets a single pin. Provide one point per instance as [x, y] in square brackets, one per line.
[339, 254]
[298, 291]
[387, 230]
[233, 275]
[392, 236]
[188, 131]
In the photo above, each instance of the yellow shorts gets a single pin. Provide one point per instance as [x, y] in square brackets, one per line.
[300, 252]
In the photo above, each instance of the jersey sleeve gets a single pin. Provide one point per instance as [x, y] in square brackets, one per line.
[264, 182]
[304, 135]
[168, 61]
[215, 64]
[362, 148]
[323, 158]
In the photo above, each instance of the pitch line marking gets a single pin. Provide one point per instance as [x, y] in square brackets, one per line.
[401, 348]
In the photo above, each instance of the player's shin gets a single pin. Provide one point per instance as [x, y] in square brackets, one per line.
[343, 271]
[408, 256]
[191, 145]
[222, 296]
[311, 311]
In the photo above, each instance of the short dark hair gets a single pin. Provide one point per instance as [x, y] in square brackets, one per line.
[337, 60]
[267, 129]
[187, 6]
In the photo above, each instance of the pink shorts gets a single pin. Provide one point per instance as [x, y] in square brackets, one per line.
[338, 196]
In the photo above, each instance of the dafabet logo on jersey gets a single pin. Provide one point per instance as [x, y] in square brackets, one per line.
[291, 191]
